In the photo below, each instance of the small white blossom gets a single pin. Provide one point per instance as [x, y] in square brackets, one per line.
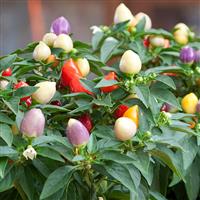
[30, 153]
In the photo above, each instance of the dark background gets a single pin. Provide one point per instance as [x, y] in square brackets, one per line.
[23, 21]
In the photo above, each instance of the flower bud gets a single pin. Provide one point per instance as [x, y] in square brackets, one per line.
[142, 15]
[130, 63]
[77, 133]
[49, 38]
[189, 103]
[41, 52]
[198, 107]
[60, 25]
[33, 123]
[45, 92]
[64, 41]
[124, 128]
[197, 56]
[83, 66]
[3, 84]
[187, 55]
[30, 153]
[157, 41]
[122, 13]
[181, 37]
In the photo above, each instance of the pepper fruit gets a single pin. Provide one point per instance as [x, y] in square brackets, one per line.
[132, 113]
[52, 59]
[110, 76]
[124, 129]
[146, 42]
[7, 72]
[69, 72]
[28, 99]
[76, 86]
[189, 103]
[85, 119]
[121, 109]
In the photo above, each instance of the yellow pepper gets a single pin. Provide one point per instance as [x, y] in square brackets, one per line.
[132, 113]
[189, 103]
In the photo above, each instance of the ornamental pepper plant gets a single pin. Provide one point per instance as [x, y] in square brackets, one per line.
[116, 119]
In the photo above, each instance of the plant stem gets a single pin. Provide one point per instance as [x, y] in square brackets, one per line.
[20, 191]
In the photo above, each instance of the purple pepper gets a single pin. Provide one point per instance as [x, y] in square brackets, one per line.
[168, 108]
[197, 56]
[187, 55]
[60, 25]
[33, 123]
[198, 107]
[77, 133]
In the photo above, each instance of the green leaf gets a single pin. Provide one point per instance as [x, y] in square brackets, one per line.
[105, 83]
[169, 158]
[128, 175]
[41, 167]
[13, 104]
[192, 184]
[44, 152]
[5, 119]
[156, 195]
[143, 94]
[116, 156]
[161, 69]
[141, 25]
[25, 91]
[165, 96]
[109, 45]
[7, 61]
[91, 145]
[106, 101]
[50, 139]
[6, 134]
[167, 81]
[6, 151]
[3, 164]
[57, 180]
[96, 39]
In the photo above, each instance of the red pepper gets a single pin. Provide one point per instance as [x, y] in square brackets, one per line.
[76, 86]
[146, 42]
[121, 109]
[86, 121]
[27, 99]
[170, 74]
[69, 72]
[110, 76]
[7, 72]
[56, 103]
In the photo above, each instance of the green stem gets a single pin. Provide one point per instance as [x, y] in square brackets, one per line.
[20, 191]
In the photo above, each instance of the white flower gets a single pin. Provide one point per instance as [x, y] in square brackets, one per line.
[45, 92]
[65, 42]
[41, 52]
[49, 38]
[30, 153]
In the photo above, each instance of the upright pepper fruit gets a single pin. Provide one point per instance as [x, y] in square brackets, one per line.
[189, 103]
[69, 72]
[121, 109]
[110, 76]
[28, 99]
[7, 72]
[132, 113]
[86, 121]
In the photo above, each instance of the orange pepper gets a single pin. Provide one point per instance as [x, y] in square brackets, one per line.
[132, 113]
